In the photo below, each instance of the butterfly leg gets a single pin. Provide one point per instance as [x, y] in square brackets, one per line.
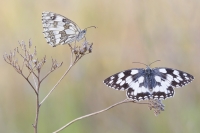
[85, 38]
[75, 43]
[70, 46]
[72, 53]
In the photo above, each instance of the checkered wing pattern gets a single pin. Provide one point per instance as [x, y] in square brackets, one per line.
[58, 29]
[145, 84]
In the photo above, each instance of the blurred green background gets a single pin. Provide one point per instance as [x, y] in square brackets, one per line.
[129, 30]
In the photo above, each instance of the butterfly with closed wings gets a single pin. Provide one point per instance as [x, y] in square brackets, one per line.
[58, 29]
[146, 84]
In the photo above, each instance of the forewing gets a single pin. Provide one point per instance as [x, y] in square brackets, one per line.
[123, 80]
[166, 79]
[58, 29]
[175, 78]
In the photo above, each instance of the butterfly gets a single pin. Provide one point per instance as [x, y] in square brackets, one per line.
[146, 84]
[58, 29]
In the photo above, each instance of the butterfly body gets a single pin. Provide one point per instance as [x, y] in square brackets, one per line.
[58, 29]
[149, 81]
[81, 35]
[145, 84]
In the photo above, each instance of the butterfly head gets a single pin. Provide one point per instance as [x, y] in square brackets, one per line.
[81, 35]
[83, 32]
[148, 69]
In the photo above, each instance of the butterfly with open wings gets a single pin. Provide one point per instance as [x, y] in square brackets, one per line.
[145, 84]
[58, 29]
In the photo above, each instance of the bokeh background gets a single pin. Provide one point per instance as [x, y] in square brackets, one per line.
[128, 30]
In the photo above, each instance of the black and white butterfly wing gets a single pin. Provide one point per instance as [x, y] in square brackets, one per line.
[166, 79]
[130, 80]
[145, 84]
[58, 29]
[121, 81]
[176, 78]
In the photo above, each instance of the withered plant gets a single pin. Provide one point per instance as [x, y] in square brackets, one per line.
[31, 67]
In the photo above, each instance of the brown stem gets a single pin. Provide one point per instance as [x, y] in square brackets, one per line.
[37, 104]
[46, 75]
[57, 83]
[30, 84]
[95, 113]
[37, 113]
[66, 72]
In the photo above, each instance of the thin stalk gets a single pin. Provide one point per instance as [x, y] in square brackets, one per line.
[30, 84]
[95, 113]
[69, 68]
[34, 80]
[56, 84]
[37, 104]
[37, 114]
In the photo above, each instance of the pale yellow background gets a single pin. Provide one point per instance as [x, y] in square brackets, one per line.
[128, 30]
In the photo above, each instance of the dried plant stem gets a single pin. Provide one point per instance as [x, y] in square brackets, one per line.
[37, 103]
[66, 72]
[56, 84]
[34, 66]
[37, 113]
[30, 84]
[95, 113]
[34, 79]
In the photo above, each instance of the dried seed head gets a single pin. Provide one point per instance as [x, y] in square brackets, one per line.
[29, 43]
[156, 105]
[34, 61]
[29, 60]
[83, 49]
[31, 57]
[86, 47]
[35, 52]
[75, 50]
[39, 65]
[22, 45]
[44, 59]
[90, 48]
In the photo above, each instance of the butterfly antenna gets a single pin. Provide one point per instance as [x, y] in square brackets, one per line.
[153, 62]
[141, 63]
[91, 27]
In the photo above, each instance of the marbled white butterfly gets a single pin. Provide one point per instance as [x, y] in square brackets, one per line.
[61, 30]
[145, 84]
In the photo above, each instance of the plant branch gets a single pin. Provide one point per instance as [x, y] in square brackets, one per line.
[37, 103]
[31, 62]
[46, 75]
[34, 80]
[30, 84]
[35, 125]
[53, 68]
[56, 84]
[34, 66]
[78, 55]
[95, 113]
